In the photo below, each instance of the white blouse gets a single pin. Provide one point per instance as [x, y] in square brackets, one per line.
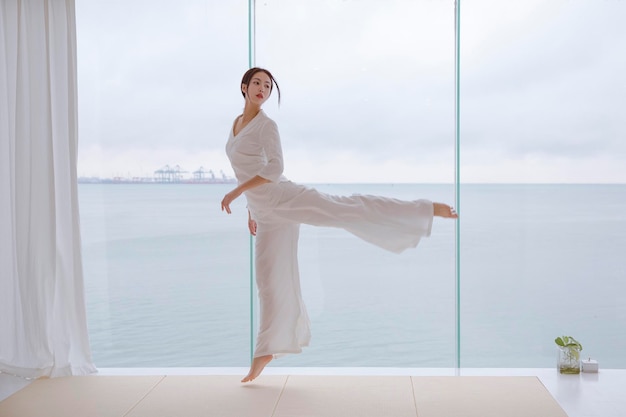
[257, 150]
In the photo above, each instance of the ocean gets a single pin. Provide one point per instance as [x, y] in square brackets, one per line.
[168, 279]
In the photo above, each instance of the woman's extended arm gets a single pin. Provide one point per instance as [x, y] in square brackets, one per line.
[244, 186]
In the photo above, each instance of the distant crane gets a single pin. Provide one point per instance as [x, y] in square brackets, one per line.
[198, 175]
[169, 174]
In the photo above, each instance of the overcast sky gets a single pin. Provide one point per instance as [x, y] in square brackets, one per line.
[367, 87]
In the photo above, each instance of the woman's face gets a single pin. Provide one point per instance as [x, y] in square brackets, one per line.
[259, 89]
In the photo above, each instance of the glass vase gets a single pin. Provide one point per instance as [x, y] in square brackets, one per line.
[568, 361]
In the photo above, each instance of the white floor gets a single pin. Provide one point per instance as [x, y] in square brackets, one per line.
[584, 395]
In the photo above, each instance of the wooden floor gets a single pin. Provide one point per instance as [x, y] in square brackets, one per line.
[283, 396]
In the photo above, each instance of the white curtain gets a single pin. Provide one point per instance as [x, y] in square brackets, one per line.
[43, 329]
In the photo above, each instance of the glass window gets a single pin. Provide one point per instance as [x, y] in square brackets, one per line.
[368, 107]
[542, 172]
[166, 272]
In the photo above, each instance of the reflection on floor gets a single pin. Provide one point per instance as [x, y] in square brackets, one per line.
[584, 395]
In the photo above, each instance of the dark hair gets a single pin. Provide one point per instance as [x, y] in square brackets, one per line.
[248, 76]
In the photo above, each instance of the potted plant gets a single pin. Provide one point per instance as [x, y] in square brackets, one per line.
[568, 354]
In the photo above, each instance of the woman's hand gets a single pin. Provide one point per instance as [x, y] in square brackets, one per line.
[251, 224]
[229, 198]
[252, 227]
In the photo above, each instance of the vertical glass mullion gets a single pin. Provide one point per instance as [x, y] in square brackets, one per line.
[457, 180]
[251, 54]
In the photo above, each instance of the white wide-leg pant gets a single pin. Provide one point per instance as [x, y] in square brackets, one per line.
[389, 223]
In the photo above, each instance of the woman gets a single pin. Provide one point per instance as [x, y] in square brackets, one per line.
[277, 207]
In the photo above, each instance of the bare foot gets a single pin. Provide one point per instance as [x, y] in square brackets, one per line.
[258, 364]
[444, 210]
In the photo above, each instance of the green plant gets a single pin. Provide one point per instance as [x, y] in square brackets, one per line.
[569, 343]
